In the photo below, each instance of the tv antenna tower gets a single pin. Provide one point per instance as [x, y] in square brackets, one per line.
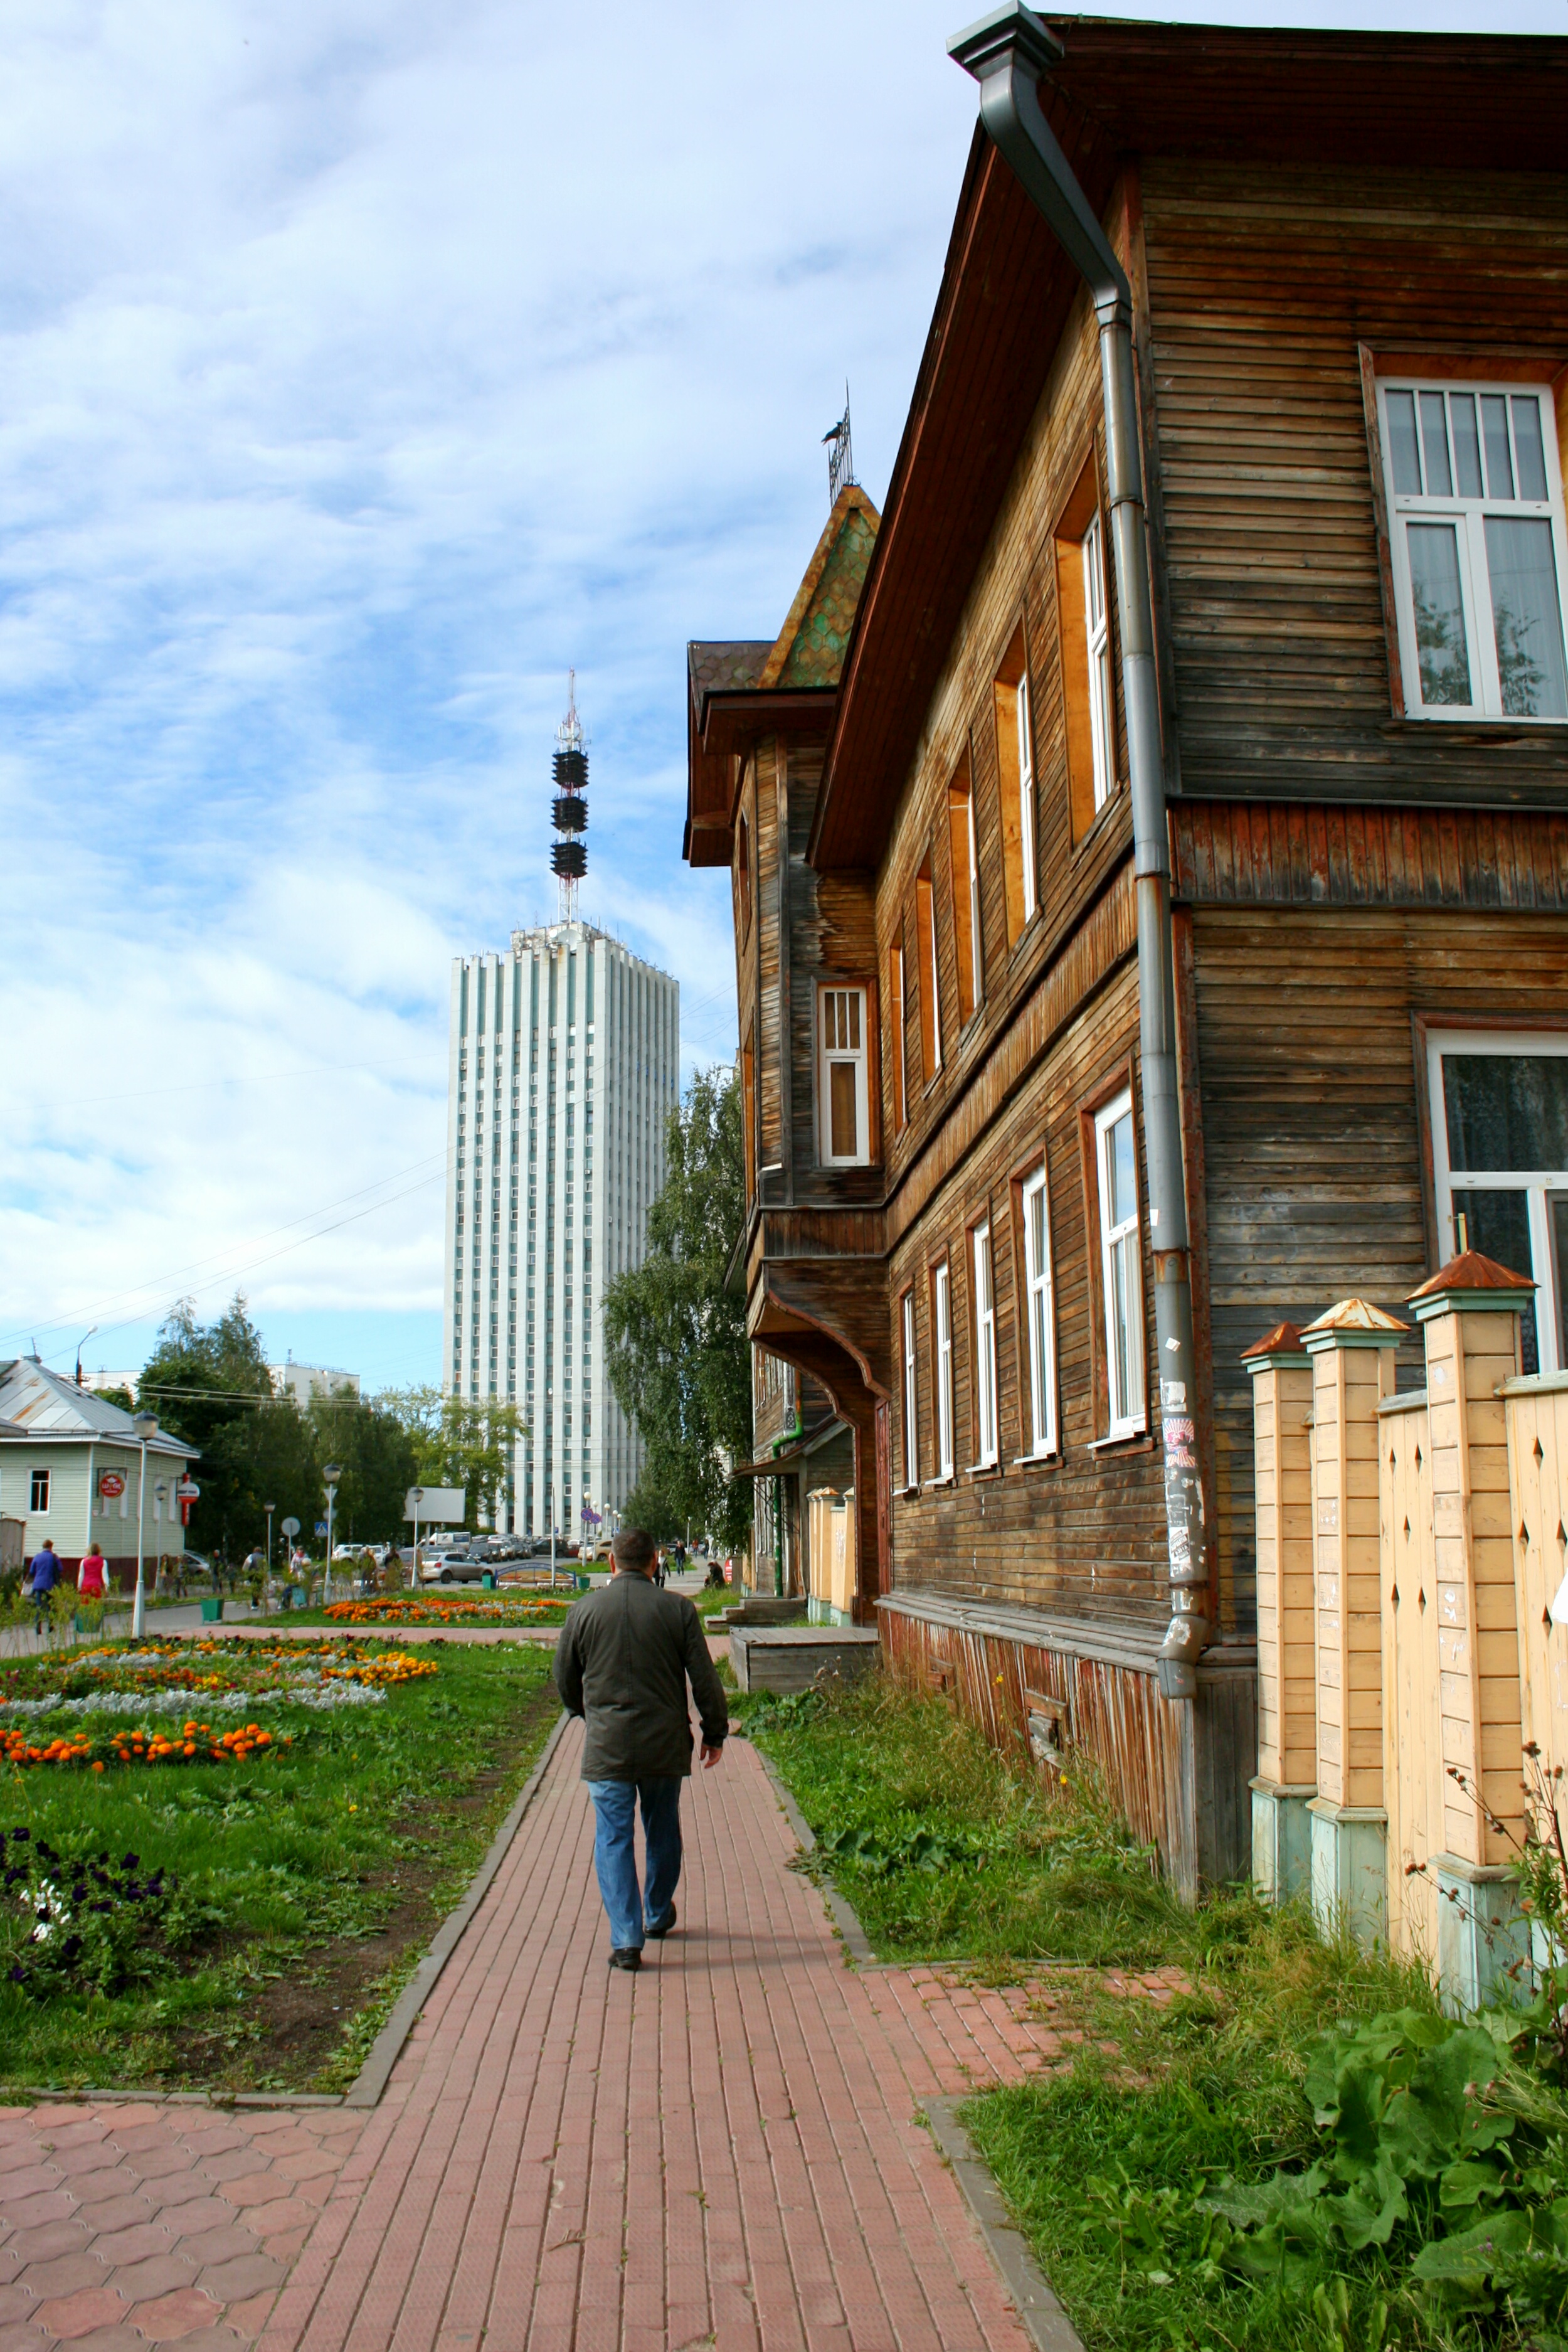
[569, 853]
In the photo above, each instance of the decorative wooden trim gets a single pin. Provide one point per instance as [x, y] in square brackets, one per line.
[1367, 360]
[1320, 853]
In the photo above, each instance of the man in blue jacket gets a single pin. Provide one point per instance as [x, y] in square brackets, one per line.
[44, 1569]
[625, 1656]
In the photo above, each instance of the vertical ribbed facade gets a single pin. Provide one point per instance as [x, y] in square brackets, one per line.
[565, 1065]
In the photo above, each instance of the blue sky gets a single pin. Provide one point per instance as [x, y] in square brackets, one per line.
[365, 366]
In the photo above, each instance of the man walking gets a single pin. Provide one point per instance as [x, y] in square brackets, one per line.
[44, 1571]
[625, 1655]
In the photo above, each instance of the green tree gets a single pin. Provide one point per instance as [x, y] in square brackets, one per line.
[266, 1455]
[378, 1458]
[202, 1379]
[459, 1441]
[678, 1356]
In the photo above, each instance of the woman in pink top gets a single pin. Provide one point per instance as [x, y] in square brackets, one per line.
[91, 1579]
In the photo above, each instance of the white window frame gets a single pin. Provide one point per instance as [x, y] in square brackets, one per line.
[928, 978]
[1127, 1413]
[833, 1001]
[976, 971]
[1026, 794]
[1469, 517]
[988, 1449]
[1540, 1185]
[36, 1510]
[898, 1014]
[942, 1318]
[1040, 1315]
[911, 1397]
[1097, 640]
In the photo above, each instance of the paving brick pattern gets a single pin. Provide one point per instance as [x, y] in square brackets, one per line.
[722, 2152]
[127, 2225]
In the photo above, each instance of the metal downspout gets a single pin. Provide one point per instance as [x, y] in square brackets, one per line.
[1007, 52]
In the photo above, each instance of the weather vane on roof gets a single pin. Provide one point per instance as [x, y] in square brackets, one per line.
[840, 455]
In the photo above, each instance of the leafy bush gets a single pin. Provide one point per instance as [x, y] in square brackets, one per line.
[74, 1919]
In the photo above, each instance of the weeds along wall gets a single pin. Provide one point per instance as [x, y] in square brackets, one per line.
[1411, 1544]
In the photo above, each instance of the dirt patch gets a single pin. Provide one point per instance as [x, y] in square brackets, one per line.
[290, 2031]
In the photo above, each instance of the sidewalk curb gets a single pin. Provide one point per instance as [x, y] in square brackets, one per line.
[855, 1940]
[1048, 2327]
[368, 2085]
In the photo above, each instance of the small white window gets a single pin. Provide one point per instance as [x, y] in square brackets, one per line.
[1120, 1266]
[844, 1094]
[1097, 631]
[39, 1498]
[911, 1426]
[1499, 1158]
[1037, 1290]
[1477, 538]
[985, 1352]
[1025, 796]
[942, 1300]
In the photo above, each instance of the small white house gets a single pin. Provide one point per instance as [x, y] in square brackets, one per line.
[70, 1467]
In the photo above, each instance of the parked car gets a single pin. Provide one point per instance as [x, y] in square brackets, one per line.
[454, 1567]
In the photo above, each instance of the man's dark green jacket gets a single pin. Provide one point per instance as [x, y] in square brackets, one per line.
[622, 1661]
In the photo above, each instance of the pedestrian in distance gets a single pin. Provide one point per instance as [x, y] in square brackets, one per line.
[625, 1656]
[92, 1576]
[660, 1570]
[43, 1575]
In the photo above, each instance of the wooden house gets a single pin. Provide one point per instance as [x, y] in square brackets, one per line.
[1161, 810]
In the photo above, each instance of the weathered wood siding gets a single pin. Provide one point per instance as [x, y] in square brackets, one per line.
[1262, 285]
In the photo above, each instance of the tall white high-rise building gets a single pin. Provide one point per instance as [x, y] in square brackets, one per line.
[565, 1065]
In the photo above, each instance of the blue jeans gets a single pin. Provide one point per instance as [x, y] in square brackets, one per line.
[615, 1807]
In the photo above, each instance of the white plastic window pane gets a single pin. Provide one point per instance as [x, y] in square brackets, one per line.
[1435, 446]
[842, 1140]
[1494, 432]
[1123, 1171]
[974, 894]
[944, 1375]
[1099, 650]
[985, 1349]
[1467, 443]
[1026, 798]
[1529, 457]
[1442, 647]
[911, 1463]
[1037, 1281]
[1404, 450]
[851, 1004]
[1527, 616]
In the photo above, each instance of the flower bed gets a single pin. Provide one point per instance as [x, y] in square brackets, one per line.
[419, 1609]
[189, 1743]
[227, 1678]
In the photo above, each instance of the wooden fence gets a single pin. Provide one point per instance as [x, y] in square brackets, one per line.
[1432, 1543]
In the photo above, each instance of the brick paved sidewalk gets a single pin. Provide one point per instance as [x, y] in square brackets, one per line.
[720, 2151]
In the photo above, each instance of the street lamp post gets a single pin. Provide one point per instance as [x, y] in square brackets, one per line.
[418, 1495]
[146, 1428]
[81, 1343]
[332, 1472]
[269, 1508]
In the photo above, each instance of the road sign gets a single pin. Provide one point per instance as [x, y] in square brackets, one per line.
[321, 1526]
[290, 1526]
[110, 1484]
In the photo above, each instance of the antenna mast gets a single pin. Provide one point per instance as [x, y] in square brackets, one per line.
[840, 455]
[569, 854]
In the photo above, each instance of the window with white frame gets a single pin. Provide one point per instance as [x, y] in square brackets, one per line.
[1025, 796]
[843, 1093]
[38, 1494]
[1476, 530]
[985, 1447]
[1121, 1268]
[1499, 1161]
[942, 1319]
[910, 1424]
[1097, 632]
[1037, 1307]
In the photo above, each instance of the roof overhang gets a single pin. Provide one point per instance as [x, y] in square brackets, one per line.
[1379, 101]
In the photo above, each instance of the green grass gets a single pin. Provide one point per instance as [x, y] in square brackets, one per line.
[949, 1852]
[1007, 1875]
[325, 1872]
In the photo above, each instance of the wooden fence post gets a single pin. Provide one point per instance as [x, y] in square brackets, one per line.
[1286, 1663]
[1470, 1319]
[1352, 1351]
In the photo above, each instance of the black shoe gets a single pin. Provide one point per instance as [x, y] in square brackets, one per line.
[658, 1934]
[630, 1957]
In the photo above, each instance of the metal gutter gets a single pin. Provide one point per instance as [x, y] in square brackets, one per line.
[1007, 52]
